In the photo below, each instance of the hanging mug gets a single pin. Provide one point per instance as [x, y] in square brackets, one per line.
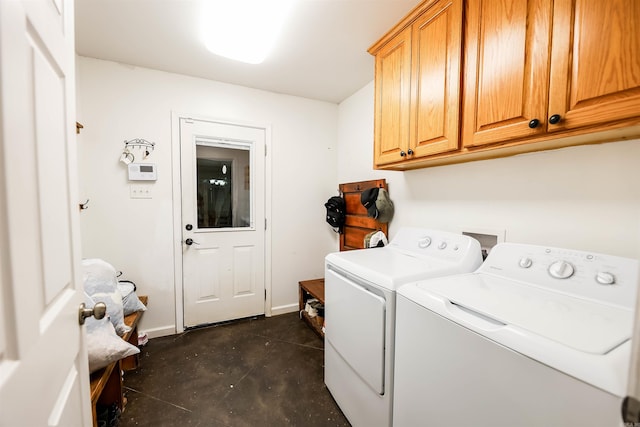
[127, 157]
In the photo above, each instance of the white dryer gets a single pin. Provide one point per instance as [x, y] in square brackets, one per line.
[360, 304]
[538, 336]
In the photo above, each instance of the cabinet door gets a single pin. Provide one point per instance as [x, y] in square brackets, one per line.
[595, 63]
[392, 99]
[435, 102]
[506, 69]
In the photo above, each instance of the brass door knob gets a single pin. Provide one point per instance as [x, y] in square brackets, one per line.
[98, 311]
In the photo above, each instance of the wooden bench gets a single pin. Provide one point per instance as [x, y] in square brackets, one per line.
[106, 383]
[308, 289]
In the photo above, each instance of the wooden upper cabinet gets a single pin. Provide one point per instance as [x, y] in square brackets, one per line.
[417, 79]
[392, 95]
[506, 70]
[568, 64]
[595, 62]
[537, 75]
[435, 101]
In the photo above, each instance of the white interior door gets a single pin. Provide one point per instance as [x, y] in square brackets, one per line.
[631, 408]
[44, 378]
[223, 221]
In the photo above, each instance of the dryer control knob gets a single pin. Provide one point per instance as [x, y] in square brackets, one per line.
[525, 262]
[442, 245]
[424, 242]
[561, 270]
[605, 278]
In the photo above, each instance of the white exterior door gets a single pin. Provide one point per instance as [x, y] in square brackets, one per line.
[223, 221]
[44, 378]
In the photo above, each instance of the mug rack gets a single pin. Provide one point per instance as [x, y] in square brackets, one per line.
[128, 157]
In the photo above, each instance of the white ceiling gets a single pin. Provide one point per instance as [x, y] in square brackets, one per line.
[321, 53]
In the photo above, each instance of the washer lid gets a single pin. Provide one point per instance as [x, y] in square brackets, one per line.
[581, 324]
[388, 267]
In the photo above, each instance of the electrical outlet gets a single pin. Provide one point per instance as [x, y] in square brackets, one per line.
[140, 192]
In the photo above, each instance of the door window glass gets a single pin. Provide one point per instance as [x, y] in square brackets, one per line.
[223, 174]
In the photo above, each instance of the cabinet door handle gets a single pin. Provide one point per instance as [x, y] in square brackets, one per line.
[554, 119]
[534, 123]
[410, 152]
[402, 154]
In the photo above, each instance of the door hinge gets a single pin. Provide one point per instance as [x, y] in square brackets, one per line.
[265, 223]
[265, 294]
[265, 151]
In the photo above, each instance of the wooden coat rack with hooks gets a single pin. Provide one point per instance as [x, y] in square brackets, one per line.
[357, 223]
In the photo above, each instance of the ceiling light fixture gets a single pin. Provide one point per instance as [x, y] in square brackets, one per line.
[243, 30]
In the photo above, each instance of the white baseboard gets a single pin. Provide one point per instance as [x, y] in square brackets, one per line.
[160, 332]
[164, 331]
[284, 309]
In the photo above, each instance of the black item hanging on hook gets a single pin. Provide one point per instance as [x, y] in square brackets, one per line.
[336, 213]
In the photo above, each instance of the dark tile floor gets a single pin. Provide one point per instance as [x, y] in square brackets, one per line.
[253, 372]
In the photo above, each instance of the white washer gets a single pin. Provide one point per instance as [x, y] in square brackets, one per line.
[537, 336]
[360, 313]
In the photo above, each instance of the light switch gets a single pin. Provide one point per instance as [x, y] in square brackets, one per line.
[140, 191]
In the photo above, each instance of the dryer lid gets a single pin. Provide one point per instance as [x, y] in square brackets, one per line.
[387, 267]
[581, 324]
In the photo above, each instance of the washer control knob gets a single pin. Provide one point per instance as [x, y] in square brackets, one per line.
[561, 270]
[605, 278]
[424, 242]
[442, 245]
[525, 262]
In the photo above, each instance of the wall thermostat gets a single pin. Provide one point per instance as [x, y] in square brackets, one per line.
[143, 172]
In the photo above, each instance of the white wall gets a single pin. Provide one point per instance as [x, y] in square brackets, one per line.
[119, 102]
[585, 198]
